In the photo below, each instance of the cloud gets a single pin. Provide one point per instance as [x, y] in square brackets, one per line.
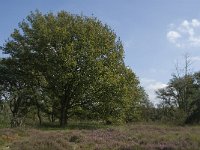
[150, 86]
[185, 34]
[195, 63]
[173, 36]
[195, 58]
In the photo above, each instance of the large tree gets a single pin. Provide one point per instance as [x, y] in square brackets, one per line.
[76, 61]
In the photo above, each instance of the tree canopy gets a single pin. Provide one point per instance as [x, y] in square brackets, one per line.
[65, 65]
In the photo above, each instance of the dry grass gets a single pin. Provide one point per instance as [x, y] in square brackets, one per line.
[129, 137]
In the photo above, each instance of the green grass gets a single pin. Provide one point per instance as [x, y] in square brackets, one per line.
[95, 136]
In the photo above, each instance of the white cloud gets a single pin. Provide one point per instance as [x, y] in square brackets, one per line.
[150, 87]
[195, 23]
[186, 34]
[173, 36]
[195, 58]
[195, 63]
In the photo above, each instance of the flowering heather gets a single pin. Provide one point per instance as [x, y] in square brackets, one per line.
[128, 137]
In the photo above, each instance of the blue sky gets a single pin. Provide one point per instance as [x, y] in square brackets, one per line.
[155, 33]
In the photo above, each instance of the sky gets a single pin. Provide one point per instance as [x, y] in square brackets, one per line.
[155, 33]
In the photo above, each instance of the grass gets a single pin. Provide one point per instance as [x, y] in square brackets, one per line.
[91, 136]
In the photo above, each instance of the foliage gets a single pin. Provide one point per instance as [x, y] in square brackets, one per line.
[65, 66]
[180, 99]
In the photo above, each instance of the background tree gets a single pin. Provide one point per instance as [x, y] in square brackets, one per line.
[194, 116]
[180, 97]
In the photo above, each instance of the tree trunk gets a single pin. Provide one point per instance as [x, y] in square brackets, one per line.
[62, 114]
[63, 121]
[52, 117]
[65, 105]
[39, 116]
[38, 112]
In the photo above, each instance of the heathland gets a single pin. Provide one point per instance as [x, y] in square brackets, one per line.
[93, 136]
